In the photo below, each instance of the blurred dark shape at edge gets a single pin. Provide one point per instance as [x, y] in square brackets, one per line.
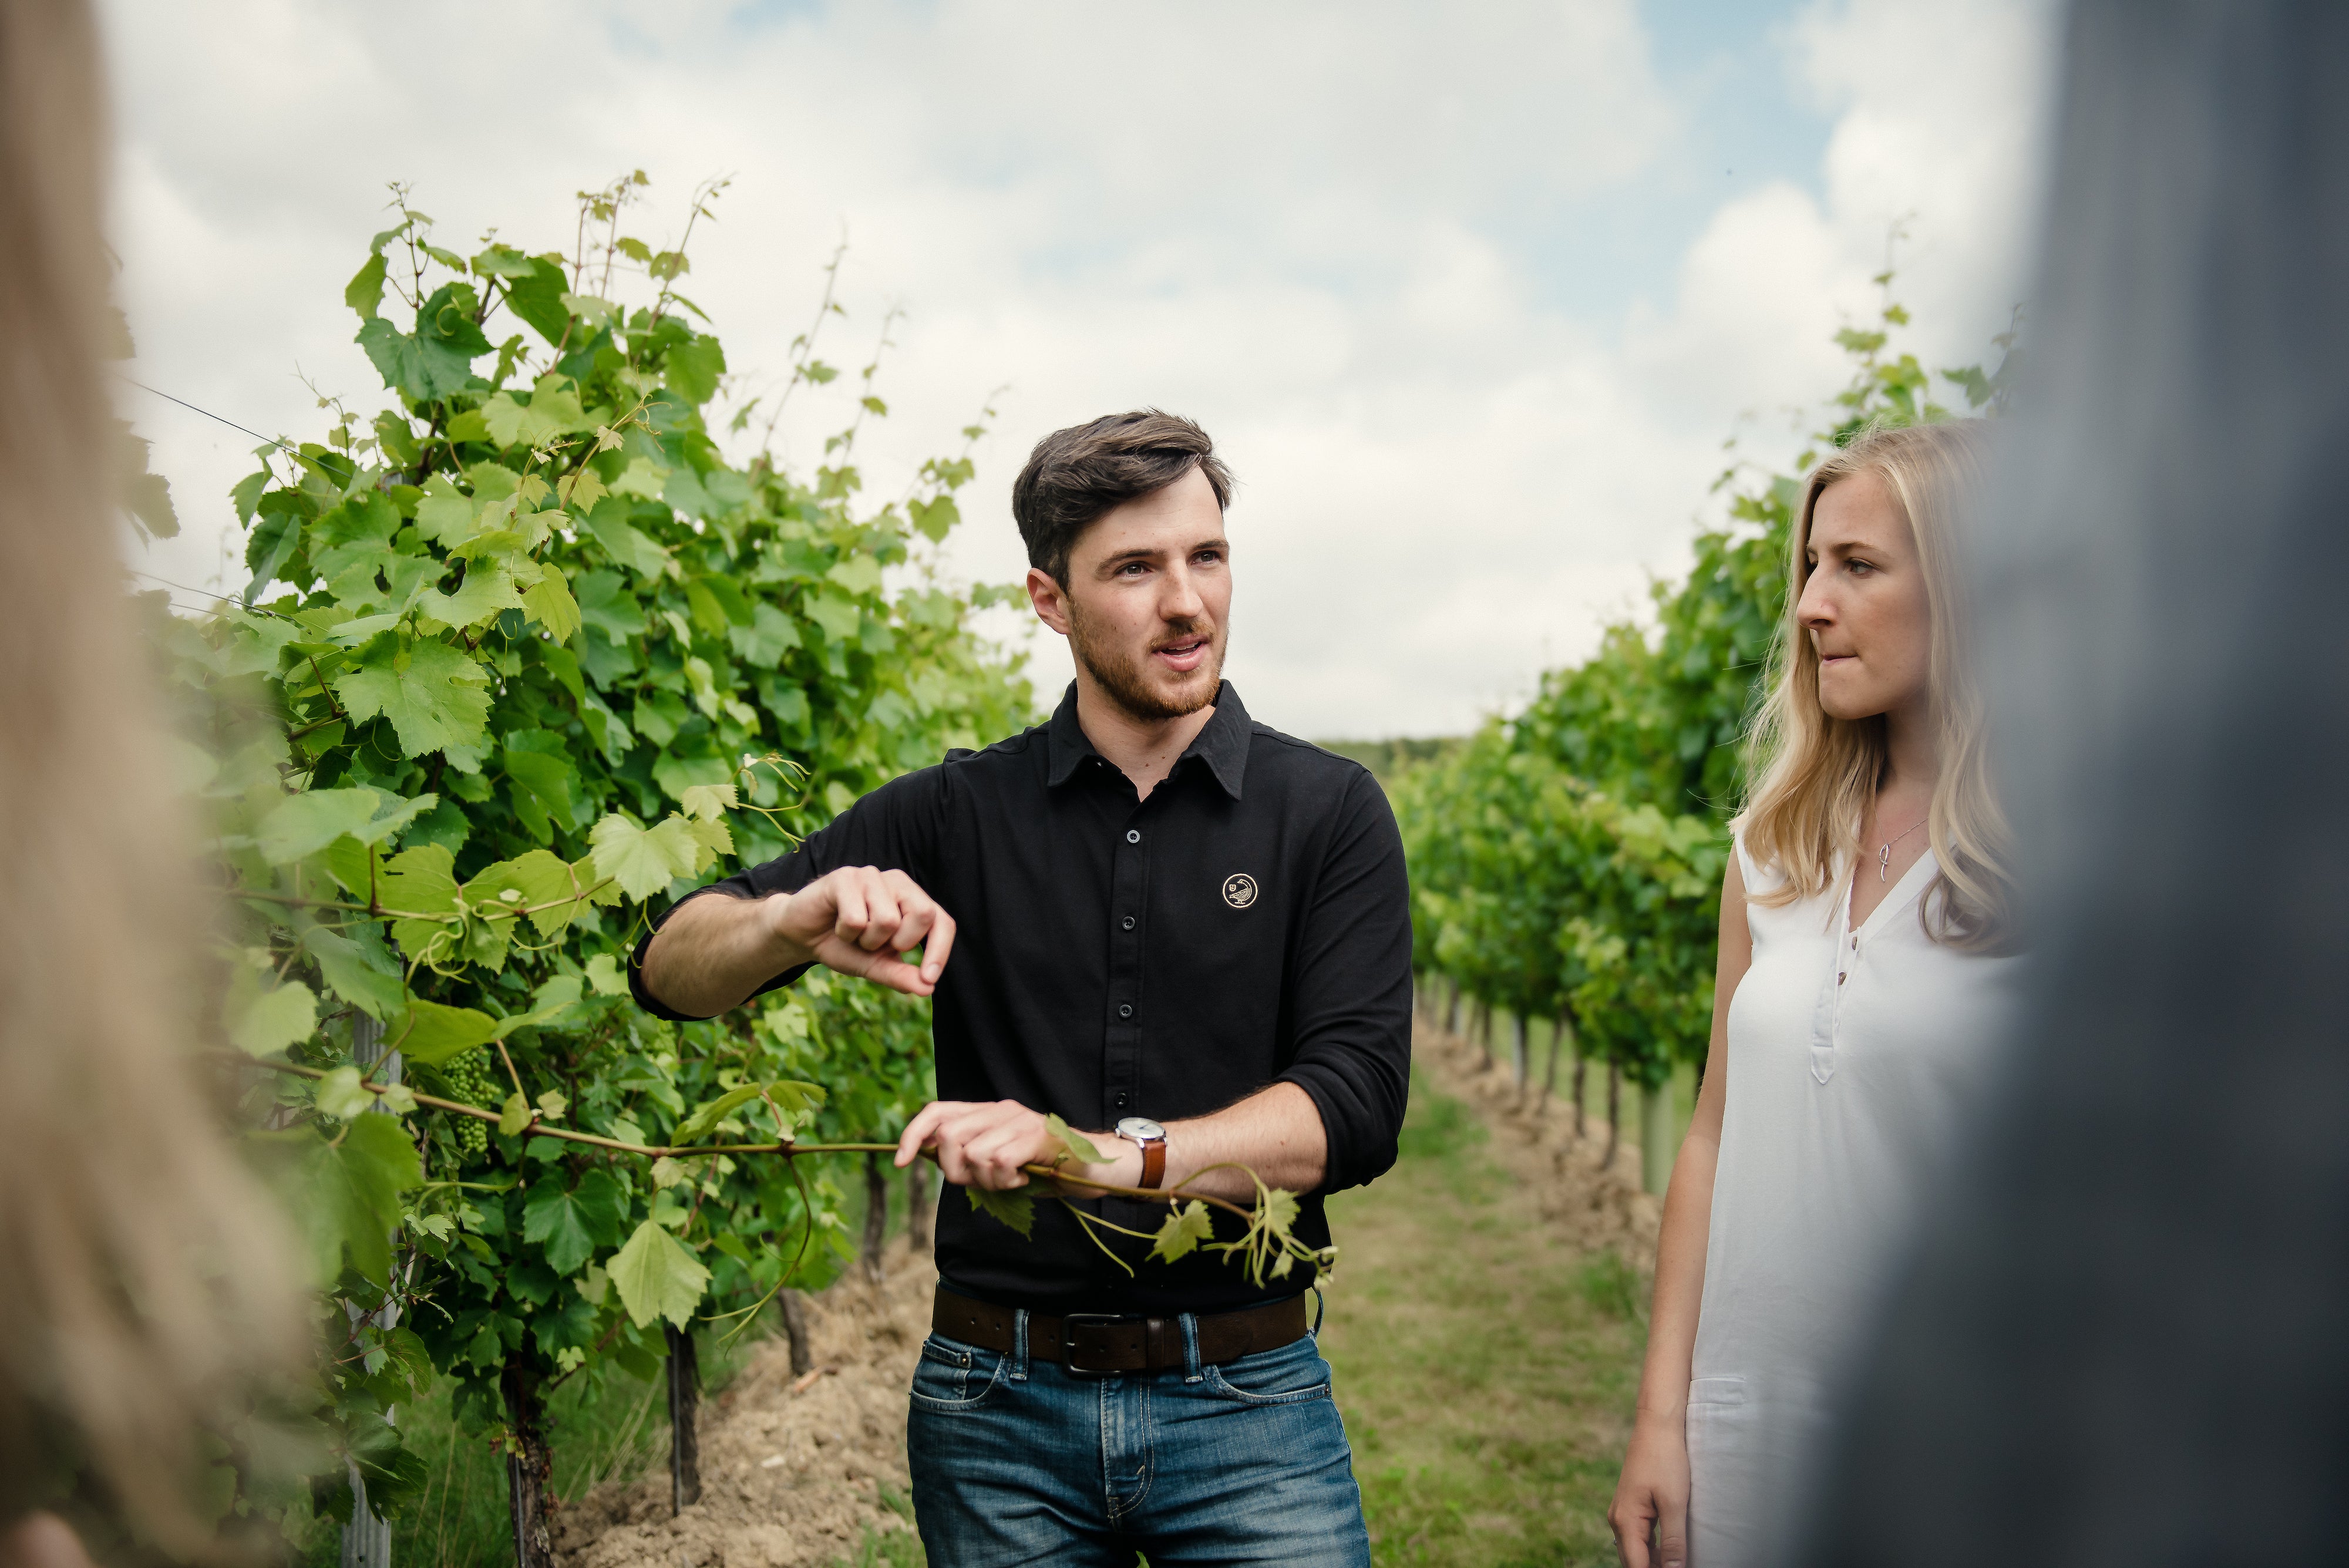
[2125, 1336]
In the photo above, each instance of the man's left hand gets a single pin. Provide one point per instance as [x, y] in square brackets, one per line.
[981, 1144]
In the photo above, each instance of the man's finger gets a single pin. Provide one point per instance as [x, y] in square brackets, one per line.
[918, 1132]
[913, 925]
[935, 951]
[849, 910]
[1001, 1151]
[880, 911]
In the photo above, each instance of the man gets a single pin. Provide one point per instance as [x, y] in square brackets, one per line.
[1165, 922]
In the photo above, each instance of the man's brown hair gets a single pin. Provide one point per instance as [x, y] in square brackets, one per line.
[1076, 475]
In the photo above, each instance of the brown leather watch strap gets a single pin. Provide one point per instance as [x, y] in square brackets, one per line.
[1085, 1342]
[1154, 1162]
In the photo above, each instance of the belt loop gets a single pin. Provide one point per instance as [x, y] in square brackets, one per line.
[1020, 1345]
[1190, 1373]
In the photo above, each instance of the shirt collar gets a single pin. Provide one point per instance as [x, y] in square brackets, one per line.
[1223, 744]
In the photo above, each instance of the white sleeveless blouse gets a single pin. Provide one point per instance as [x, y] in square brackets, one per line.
[1853, 1058]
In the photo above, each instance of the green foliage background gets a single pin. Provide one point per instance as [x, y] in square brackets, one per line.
[1566, 863]
[523, 656]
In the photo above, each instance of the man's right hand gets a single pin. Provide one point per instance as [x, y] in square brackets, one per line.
[858, 919]
[715, 952]
[1652, 1497]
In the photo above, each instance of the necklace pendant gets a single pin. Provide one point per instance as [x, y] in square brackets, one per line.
[1884, 864]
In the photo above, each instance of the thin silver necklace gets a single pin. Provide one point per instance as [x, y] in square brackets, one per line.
[1884, 854]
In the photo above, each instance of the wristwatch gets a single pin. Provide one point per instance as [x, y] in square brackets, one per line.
[1151, 1138]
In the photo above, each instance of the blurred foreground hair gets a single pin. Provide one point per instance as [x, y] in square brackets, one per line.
[143, 1277]
[1813, 775]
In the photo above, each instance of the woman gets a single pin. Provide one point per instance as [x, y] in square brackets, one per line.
[142, 1276]
[1858, 998]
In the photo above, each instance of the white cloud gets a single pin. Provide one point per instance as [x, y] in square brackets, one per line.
[1292, 223]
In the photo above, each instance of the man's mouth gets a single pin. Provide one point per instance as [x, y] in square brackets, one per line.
[1183, 655]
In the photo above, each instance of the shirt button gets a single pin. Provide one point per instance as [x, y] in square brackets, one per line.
[1125, 1010]
[1133, 836]
[1129, 922]
[1841, 977]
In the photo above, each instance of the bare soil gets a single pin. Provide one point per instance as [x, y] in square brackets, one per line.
[1594, 1202]
[791, 1475]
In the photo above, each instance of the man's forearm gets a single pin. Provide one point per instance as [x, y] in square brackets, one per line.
[1276, 1132]
[714, 953]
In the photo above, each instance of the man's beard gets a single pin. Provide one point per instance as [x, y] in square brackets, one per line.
[1121, 676]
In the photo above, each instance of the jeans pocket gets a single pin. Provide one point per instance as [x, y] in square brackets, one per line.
[1288, 1375]
[952, 1375]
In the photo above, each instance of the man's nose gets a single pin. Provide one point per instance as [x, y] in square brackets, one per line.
[1182, 601]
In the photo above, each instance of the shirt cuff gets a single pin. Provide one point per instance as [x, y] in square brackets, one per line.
[653, 1004]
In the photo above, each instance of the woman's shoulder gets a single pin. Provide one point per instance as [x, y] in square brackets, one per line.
[1758, 876]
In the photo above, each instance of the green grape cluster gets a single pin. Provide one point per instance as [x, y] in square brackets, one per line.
[469, 1080]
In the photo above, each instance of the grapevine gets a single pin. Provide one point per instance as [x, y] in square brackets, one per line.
[526, 653]
[1566, 863]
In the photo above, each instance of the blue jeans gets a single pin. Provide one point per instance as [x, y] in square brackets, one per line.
[1020, 1461]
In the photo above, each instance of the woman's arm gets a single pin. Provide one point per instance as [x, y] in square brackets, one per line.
[1652, 1498]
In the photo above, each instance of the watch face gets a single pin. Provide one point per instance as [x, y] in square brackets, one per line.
[1140, 1128]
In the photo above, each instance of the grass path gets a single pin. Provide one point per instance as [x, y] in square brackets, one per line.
[1486, 1357]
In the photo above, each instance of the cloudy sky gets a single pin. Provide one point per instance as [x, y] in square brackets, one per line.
[1469, 295]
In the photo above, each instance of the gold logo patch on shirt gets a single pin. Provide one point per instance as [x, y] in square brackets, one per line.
[1239, 889]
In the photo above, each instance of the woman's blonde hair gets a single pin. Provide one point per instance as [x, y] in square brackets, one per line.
[1813, 775]
[143, 1274]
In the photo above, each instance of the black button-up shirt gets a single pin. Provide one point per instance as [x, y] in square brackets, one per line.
[1248, 924]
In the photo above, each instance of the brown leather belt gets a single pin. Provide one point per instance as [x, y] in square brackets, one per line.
[1096, 1341]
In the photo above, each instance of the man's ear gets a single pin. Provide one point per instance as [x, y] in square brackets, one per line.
[1052, 600]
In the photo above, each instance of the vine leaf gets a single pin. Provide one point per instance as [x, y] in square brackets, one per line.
[1079, 1146]
[306, 824]
[707, 802]
[643, 860]
[571, 1224]
[340, 1096]
[656, 1277]
[433, 694]
[1182, 1231]
[359, 972]
[539, 882]
[437, 1033]
[352, 1189]
[1017, 1210]
[514, 1115]
[548, 601]
[261, 1022]
[487, 589]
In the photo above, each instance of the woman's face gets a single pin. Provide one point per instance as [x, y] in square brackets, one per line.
[1864, 603]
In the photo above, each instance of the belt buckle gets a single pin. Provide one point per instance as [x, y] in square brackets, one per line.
[1070, 1323]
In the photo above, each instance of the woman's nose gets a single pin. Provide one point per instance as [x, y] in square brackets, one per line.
[1814, 608]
